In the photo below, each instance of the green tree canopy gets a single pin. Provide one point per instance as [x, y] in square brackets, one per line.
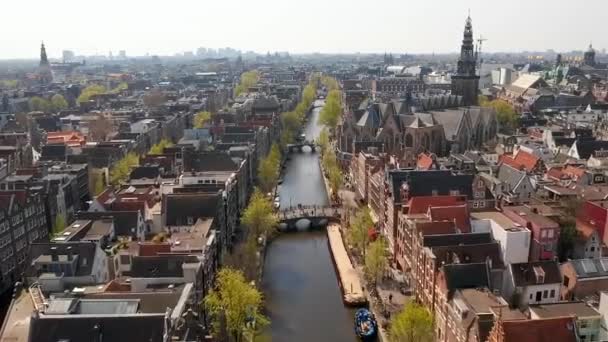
[376, 260]
[506, 115]
[248, 80]
[58, 102]
[331, 112]
[291, 121]
[39, 104]
[323, 140]
[358, 233]
[413, 324]
[259, 217]
[201, 118]
[237, 303]
[160, 147]
[59, 224]
[91, 91]
[121, 170]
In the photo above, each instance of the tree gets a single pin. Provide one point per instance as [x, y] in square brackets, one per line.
[268, 174]
[291, 121]
[358, 234]
[90, 91]
[330, 83]
[323, 140]
[335, 180]
[59, 224]
[567, 237]
[413, 324]
[506, 115]
[248, 80]
[160, 147]
[100, 128]
[97, 182]
[121, 170]
[154, 98]
[38, 104]
[121, 87]
[236, 303]
[331, 112]
[259, 216]
[58, 103]
[9, 84]
[201, 118]
[376, 260]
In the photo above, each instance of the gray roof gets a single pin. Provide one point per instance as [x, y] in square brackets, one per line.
[510, 175]
[590, 268]
[450, 119]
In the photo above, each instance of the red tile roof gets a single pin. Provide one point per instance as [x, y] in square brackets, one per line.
[557, 173]
[421, 204]
[574, 172]
[594, 214]
[458, 214]
[561, 329]
[522, 161]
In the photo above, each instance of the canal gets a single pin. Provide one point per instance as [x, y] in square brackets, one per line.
[303, 299]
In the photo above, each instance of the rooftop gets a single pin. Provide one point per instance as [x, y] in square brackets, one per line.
[578, 309]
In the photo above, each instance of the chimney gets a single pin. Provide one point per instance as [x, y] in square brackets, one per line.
[69, 253]
[54, 256]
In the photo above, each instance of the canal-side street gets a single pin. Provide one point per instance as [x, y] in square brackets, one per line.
[303, 298]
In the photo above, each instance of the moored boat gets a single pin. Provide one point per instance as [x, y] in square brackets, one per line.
[366, 326]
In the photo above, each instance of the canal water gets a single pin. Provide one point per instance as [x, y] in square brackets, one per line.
[303, 299]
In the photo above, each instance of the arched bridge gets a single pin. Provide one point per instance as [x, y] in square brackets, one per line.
[318, 216]
[298, 147]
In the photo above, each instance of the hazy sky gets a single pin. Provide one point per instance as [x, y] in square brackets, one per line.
[166, 27]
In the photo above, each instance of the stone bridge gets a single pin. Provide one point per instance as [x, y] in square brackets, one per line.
[298, 147]
[318, 216]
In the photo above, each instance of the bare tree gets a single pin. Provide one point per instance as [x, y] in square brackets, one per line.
[100, 128]
[154, 98]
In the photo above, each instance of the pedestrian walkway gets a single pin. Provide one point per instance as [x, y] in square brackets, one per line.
[349, 279]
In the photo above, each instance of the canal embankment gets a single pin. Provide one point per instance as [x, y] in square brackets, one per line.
[350, 284]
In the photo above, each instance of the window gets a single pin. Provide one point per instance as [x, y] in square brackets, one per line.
[545, 294]
[550, 233]
[543, 233]
[552, 294]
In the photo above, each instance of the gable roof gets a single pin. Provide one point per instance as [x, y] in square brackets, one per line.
[421, 204]
[561, 329]
[509, 175]
[522, 161]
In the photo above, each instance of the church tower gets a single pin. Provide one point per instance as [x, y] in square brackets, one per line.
[589, 57]
[44, 71]
[465, 81]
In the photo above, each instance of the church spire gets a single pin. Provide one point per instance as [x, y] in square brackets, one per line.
[465, 82]
[468, 58]
[44, 61]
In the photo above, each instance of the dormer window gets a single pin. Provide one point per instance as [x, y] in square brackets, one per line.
[539, 273]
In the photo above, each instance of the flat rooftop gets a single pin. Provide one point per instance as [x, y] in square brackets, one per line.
[564, 309]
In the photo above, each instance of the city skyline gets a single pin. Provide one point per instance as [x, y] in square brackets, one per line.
[271, 25]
